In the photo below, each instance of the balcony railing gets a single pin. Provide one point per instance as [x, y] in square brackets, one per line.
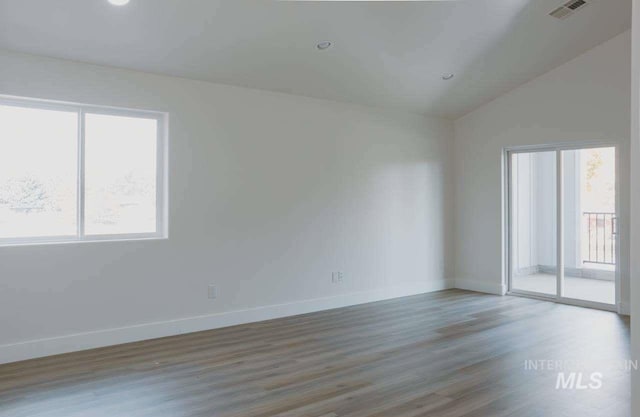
[601, 230]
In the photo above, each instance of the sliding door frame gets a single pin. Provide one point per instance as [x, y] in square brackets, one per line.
[508, 227]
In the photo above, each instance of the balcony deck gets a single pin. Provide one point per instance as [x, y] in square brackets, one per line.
[601, 291]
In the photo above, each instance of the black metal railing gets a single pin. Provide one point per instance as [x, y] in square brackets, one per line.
[601, 231]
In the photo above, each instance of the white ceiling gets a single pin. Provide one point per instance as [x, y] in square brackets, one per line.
[388, 54]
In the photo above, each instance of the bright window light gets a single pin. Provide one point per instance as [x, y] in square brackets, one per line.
[38, 172]
[75, 173]
[120, 179]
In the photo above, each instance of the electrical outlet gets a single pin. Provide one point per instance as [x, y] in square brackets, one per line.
[212, 292]
[337, 277]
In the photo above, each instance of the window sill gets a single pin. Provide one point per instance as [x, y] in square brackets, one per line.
[74, 240]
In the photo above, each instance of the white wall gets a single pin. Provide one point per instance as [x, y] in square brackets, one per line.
[534, 211]
[525, 255]
[573, 209]
[586, 99]
[635, 207]
[269, 193]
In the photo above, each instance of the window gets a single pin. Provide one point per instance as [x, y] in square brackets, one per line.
[78, 173]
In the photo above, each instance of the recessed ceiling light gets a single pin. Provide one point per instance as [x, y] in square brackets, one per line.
[323, 45]
[447, 76]
[119, 2]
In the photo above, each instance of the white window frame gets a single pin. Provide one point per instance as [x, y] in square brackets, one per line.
[162, 227]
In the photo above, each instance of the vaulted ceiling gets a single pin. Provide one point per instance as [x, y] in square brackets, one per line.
[390, 54]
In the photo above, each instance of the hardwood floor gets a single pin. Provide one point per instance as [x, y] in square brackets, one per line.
[446, 354]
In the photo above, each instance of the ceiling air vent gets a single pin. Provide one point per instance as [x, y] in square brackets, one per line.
[568, 9]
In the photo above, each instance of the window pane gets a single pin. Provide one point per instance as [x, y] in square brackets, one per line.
[533, 222]
[120, 174]
[590, 224]
[38, 172]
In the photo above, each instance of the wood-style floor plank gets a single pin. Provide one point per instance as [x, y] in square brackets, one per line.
[447, 354]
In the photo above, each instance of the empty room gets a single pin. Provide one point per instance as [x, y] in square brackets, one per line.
[219, 208]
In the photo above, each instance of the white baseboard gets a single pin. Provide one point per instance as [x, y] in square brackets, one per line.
[81, 341]
[477, 286]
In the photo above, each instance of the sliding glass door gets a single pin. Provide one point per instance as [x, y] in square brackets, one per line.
[590, 224]
[562, 224]
[534, 230]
